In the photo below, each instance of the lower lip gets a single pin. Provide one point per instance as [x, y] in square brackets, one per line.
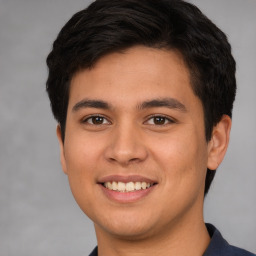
[127, 197]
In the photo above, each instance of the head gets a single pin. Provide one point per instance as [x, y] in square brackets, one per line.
[114, 26]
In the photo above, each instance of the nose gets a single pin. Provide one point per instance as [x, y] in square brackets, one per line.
[126, 146]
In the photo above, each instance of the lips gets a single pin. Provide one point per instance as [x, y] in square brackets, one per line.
[126, 188]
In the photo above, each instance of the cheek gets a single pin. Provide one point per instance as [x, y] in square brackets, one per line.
[82, 153]
[81, 161]
[183, 159]
[81, 157]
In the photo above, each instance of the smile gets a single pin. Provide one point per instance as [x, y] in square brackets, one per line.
[126, 189]
[128, 186]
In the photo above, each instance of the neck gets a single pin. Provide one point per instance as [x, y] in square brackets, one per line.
[185, 237]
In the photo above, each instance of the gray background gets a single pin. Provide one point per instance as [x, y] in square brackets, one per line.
[38, 215]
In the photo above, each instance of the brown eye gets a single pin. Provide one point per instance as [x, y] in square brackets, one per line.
[96, 120]
[159, 120]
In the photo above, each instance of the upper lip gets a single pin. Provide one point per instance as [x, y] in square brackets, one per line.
[126, 179]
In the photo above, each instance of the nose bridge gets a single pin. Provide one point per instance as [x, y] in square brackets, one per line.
[125, 144]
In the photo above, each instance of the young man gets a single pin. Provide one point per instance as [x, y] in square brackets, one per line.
[143, 94]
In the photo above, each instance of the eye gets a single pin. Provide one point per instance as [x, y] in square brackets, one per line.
[159, 120]
[96, 120]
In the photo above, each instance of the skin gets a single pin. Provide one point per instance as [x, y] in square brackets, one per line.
[129, 141]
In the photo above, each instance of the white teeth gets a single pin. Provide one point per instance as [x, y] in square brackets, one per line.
[127, 187]
[109, 185]
[121, 186]
[114, 185]
[137, 185]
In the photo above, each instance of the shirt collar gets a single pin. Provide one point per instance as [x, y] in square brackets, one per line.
[217, 244]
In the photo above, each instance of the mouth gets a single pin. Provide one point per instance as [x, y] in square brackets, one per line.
[125, 187]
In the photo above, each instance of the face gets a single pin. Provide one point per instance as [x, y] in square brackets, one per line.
[135, 151]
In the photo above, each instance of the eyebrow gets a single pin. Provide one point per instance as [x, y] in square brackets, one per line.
[163, 102]
[86, 103]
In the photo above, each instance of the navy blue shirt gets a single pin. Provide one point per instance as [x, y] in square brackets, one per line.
[218, 246]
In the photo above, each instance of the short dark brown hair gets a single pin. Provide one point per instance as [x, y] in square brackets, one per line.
[113, 25]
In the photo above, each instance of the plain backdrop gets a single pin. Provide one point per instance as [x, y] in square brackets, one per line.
[38, 215]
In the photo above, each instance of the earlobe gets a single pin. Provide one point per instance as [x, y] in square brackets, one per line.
[62, 154]
[218, 144]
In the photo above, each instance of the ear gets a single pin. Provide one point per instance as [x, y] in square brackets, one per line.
[62, 154]
[218, 144]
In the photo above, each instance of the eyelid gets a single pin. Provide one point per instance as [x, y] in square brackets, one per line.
[170, 119]
[85, 119]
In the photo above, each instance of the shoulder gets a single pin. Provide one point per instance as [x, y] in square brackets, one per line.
[220, 247]
[94, 252]
[235, 251]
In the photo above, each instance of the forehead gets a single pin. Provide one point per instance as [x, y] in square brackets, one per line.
[137, 74]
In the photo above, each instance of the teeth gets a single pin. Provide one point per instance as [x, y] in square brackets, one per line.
[114, 185]
[137, 185]
[109, 185]
[121, 186]
[127, 187]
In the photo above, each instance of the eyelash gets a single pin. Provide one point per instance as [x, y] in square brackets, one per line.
[85, 120]
[165, 119]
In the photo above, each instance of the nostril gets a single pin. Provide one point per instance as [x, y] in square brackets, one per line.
[124, 160]
[112, 159]
[134, 160]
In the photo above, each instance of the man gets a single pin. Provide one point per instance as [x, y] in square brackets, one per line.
[143, 94]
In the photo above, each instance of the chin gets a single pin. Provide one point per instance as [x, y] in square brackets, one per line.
[131, 233]
[128, 228]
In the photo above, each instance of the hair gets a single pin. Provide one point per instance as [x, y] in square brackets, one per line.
[108, 26]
